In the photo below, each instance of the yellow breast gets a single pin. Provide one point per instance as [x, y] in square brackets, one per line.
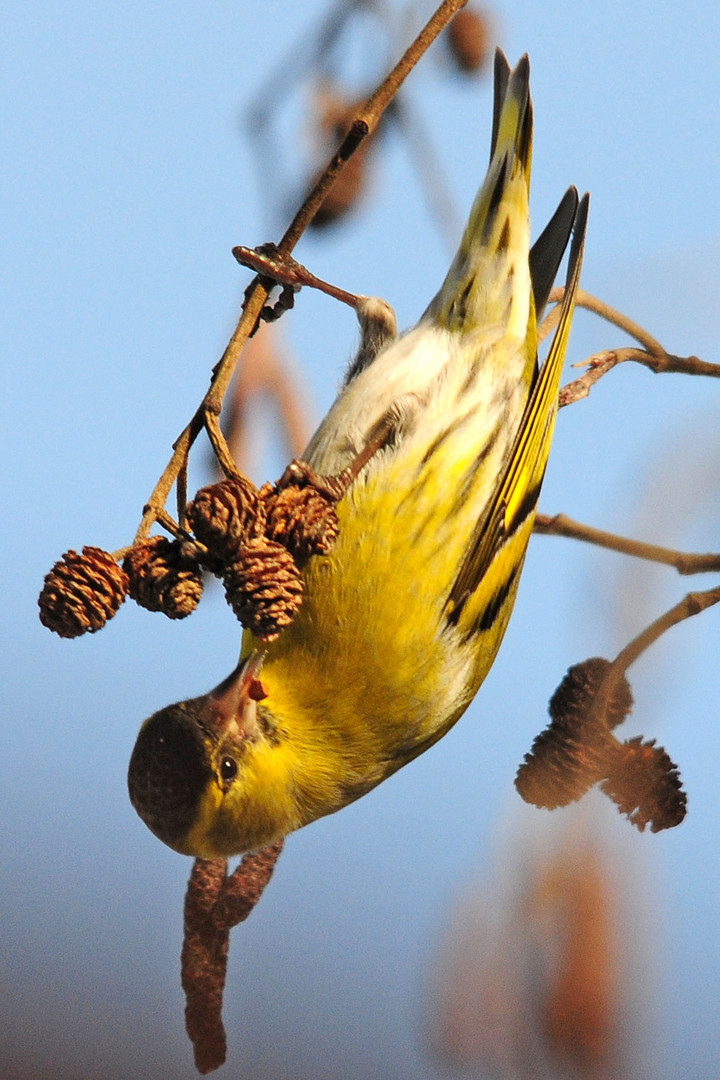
[371, 672]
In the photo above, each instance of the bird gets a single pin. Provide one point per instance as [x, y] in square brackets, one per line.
[402, 619]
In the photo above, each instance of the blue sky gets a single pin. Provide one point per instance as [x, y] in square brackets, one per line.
[127, 178]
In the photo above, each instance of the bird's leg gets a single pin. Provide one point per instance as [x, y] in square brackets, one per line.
[300, 474]
[378, 324]
[378, 327]
[301, 512]
[270, 263]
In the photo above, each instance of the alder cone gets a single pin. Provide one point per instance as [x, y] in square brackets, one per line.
[164, 575]
[335, 116]
[224, 515]
[576, 692]
[345, 193]
[468, 37]
[81, 592]
[563, 765]
[645, 785]
[303, 520]
[264, 588]
[577, 749]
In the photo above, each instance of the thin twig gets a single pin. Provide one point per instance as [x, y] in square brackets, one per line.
[597, 366]
[170, 525]
[600, 363]
[365, 122]
[652, 355]
[612, 315]
[690, 605]
[220, 446]
[120, 554]
[683, 562]
[181, 494]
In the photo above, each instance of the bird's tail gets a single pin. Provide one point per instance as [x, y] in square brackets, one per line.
[488, 284]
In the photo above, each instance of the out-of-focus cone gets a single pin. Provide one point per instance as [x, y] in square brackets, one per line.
[469, 37]
[345, 193]
[265, 377]
[580, 1000]
[537, 977]
[333, 114]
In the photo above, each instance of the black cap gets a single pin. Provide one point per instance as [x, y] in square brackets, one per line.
[169, 771]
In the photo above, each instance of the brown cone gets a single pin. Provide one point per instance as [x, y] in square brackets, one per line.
[264, 588]
[302, 519]
[645, 784]
[224, 515]
[576, 750]
[469, 40]
[82, 592]
[164, 576]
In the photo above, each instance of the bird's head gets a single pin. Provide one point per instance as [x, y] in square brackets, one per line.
[193, 770]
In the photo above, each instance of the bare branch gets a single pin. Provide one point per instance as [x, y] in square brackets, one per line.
[220, 446]
[690, 605]
[365, 122]
[651, 354]
[598, 366]
[683, 562]
[611, 315]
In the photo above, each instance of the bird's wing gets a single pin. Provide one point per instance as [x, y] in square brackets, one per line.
[518, 489]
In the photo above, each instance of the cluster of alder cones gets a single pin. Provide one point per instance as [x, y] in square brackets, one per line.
[578, 749]
[255, 540]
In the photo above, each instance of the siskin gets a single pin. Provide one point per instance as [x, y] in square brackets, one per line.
[401, 622]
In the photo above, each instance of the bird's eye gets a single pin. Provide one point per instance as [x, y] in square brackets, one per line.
[228, 769]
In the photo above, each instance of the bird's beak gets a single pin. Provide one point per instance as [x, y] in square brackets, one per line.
[233, 703]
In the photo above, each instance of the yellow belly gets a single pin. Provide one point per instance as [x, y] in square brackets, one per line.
[371, 673]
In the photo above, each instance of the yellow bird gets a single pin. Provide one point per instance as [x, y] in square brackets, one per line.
[401, 622]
